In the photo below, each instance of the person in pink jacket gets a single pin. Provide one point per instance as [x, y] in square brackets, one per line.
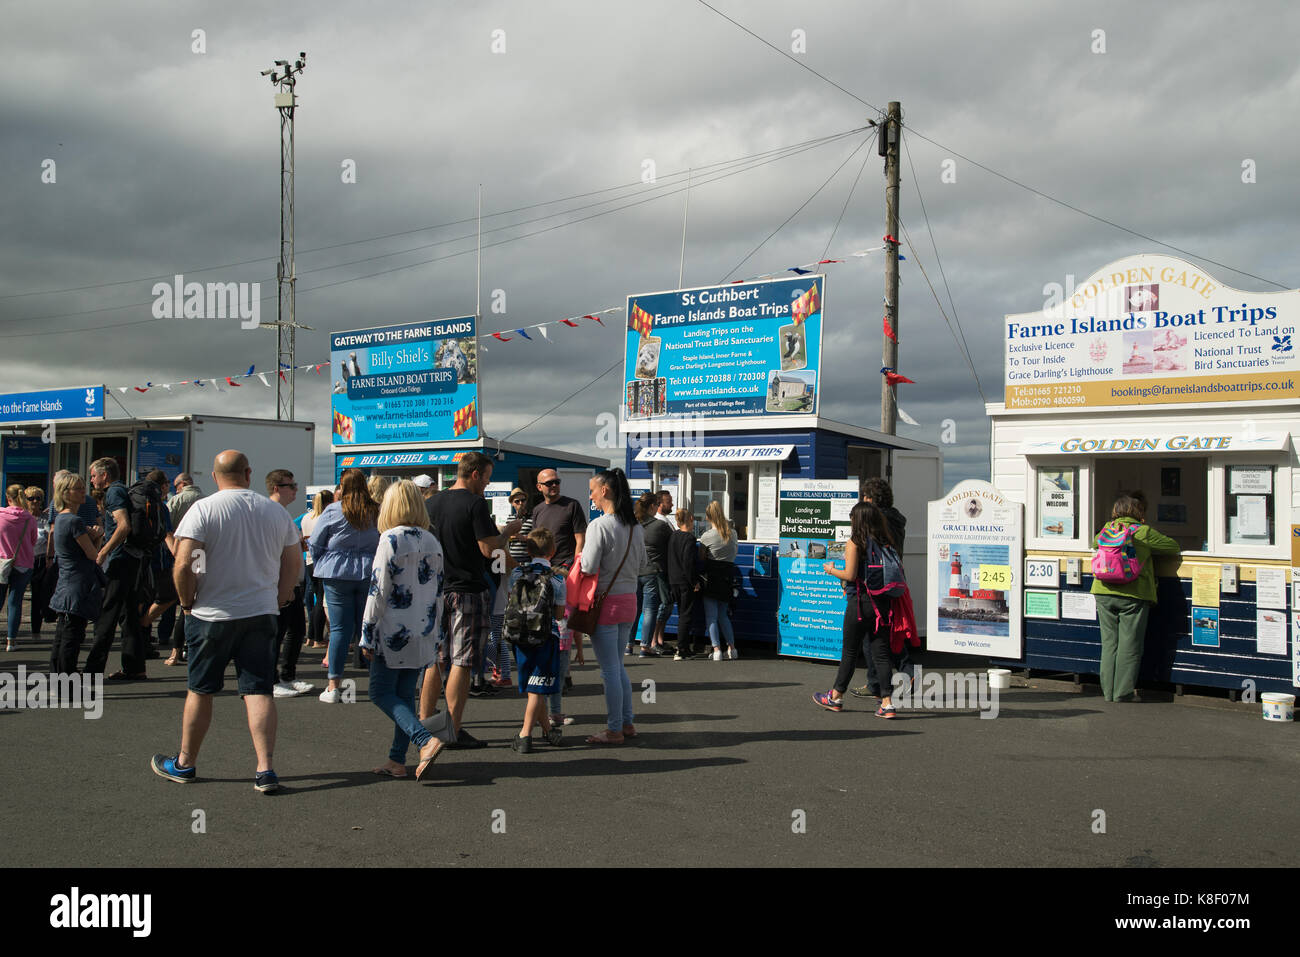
[17, 551]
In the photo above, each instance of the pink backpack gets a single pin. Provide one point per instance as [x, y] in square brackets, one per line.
[1115, 561]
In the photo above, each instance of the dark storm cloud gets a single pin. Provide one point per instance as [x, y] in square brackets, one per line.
[169, 163]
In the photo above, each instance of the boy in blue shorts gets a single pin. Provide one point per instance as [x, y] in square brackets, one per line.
[533, 610]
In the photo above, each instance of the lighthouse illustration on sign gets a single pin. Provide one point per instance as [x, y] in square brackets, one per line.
[965, 599]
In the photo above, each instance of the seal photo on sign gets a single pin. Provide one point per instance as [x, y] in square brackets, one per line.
[647, 357]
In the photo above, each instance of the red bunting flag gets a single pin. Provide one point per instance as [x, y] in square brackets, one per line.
[497, 335]
[638, 320]
[230, 381]
[138, 389]
[894, 378]
[888, 330]
[463, 419]
[889, 239]
[569, 322]
[822, 262]
[595, 319]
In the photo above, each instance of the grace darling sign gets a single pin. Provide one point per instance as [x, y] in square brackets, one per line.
[1151, 330]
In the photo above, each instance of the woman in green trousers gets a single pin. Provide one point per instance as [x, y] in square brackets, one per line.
[1123, 608]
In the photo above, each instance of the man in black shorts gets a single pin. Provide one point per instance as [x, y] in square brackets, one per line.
[462, 522]
[238, 557]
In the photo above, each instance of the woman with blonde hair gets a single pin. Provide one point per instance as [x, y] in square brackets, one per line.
[400, 626]
[377, 486]
[78, 594]
[720, 561]
[342, 551]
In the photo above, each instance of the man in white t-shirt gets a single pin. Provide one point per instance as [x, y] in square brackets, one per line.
[238, 558]
[665, 512]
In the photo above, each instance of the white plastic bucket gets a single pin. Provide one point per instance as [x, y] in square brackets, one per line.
[1000, 678]
[1278, 707]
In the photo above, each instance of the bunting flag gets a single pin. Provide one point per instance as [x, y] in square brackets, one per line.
[231, 382]
[463, 419]
[249, 372]
[524, 334]
[889, 332]
[265, 381]
[894, 378]
[497, 335]
[799, 270]
[138, 389]
[638, 320]
[889, 239]
[218, 385]
[805, 305]
[905, 417]
[569, 322]
[542, 330]
[595, 319]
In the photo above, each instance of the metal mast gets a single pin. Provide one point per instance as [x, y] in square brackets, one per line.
[284, 77]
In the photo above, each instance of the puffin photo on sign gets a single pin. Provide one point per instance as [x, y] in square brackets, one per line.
[793, 346]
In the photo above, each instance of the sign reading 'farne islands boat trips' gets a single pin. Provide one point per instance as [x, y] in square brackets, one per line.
[976, 554]
[1153, 330]
[749, 350]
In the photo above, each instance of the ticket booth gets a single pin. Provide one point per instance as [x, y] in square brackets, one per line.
[1155, 378]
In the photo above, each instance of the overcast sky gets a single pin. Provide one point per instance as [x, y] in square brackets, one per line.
[166, 161]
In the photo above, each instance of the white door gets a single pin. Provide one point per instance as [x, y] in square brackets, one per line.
[917, 479]
[574, 483]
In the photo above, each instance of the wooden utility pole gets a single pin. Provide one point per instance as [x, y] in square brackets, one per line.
[890, 135]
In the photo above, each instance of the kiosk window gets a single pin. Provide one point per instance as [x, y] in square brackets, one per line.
[707, 485]
[1249, 505]
[1058, 502]
[1176, 491]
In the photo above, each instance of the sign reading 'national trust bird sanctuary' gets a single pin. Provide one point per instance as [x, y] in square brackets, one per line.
[749, 350]
[1153, 330]
[405, 384]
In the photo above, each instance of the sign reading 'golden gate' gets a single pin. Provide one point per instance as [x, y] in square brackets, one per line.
[1151, 330]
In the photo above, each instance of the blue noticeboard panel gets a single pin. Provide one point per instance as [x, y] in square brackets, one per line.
[25, 455]
[744, 351]
[52, 405]
[814, 528]
[409, 383]
[160, 450]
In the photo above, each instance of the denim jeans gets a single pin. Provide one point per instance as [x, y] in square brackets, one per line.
[347, 603]
[608, 642]
[717, 616]
[393, 691]
[557, 698]
[17, 588]
[647, 607]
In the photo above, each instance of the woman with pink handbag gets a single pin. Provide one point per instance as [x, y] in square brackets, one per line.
[613, 553]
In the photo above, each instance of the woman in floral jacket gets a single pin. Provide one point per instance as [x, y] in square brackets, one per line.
[400, 629]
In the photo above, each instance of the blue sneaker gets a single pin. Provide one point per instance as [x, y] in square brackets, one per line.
[826, 700]
[267, 782]
[166, 767]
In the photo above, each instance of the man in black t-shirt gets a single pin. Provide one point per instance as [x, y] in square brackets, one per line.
[462, 522]
[566, 519]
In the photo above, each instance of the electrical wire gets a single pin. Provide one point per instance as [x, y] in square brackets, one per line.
[821, 140]
[792, 151]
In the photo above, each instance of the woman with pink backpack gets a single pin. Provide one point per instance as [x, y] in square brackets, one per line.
[1124, 582]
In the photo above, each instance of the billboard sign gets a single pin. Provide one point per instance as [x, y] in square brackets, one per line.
[412, 383]
[745, 351]
[1153, 330]
[52, 405]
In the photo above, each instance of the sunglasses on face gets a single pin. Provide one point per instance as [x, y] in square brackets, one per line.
[34, 498]
[287, 485]
[518, 501]
[551, 482]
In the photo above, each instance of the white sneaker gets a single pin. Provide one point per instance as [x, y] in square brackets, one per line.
[717, 654]
[331, 696]
[302, 687]
[732, 653]
[285, 690]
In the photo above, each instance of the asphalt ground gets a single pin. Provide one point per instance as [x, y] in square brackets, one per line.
[735, 767]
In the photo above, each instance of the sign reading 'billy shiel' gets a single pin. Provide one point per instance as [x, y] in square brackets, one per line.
[409, 383]
[1151, 330]
[746, 350]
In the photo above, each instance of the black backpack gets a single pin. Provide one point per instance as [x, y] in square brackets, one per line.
[146, 516]
[528, 608]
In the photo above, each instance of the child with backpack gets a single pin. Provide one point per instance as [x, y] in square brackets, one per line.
[534, 606]
[871, 574]
[1124, 581]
